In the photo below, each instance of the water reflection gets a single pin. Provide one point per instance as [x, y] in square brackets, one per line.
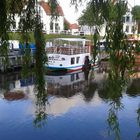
[65, 92]
[65, 85]
[133, 88]
[111, 92]
[14, 87]
[138, 120]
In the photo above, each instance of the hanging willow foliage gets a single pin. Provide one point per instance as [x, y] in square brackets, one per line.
[4, 26]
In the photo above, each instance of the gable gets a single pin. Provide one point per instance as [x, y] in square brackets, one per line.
[47, 8]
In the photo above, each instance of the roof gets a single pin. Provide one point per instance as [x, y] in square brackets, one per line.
[72, 39]
[47, 8]
[74, 26]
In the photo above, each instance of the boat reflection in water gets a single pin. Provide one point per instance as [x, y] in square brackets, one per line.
[105, 106]
[63, 90]
[65, 85]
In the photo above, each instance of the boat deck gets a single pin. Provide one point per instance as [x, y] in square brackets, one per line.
[68, 50]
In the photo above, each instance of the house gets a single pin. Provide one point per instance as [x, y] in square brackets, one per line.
[74, 29]
[55, 25]
[50, 25]
[129, 24]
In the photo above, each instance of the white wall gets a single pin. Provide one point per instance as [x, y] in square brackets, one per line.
[129, 23]
[46, 20]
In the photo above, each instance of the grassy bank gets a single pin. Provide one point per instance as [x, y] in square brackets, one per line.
[18, 36]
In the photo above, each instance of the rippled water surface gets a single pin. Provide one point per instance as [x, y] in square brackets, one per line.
[77, 108]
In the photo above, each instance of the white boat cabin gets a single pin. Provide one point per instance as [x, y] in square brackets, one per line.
[67, 53]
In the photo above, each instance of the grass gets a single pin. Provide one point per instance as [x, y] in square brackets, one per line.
[18, 36]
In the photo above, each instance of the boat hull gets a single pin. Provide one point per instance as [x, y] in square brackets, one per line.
[64, 69]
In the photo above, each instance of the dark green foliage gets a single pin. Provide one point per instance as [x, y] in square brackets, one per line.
[76, 3]
[138, 120]
[111, 92]
[40, 60]
[27, 21]
[53, 6]
[136, 12]
[134, 89]
[66, 26]
[4, 26]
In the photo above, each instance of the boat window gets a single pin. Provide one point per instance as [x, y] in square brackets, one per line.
[77, 59]
[72, 60]
[63, 59]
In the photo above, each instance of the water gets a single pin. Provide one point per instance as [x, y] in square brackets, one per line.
[78, 107]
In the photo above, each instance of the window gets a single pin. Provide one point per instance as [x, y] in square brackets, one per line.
[133, 20]
[63, 59]
[127, 19]
[56, 26]
[127, 29]
[77, 59]
[133, 29]
[72, 60]
[51, 25]
[123, 19]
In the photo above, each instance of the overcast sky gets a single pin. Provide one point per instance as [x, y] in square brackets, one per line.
[72, 15]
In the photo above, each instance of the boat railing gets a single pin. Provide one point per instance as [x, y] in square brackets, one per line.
[67, 51]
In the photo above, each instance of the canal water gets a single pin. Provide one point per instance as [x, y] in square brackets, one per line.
[76, 106]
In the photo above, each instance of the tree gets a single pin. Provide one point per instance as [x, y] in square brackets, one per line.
[136, 14]
[66, 25]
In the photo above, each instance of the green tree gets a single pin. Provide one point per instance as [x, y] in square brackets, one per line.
[136, 14]
[66, 26]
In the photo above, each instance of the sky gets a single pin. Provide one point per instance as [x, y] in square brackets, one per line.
[72, 15]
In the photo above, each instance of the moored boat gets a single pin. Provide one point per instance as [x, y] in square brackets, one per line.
[68, 54]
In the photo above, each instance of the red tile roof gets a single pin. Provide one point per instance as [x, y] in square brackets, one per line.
[74, 26]
[47, 8]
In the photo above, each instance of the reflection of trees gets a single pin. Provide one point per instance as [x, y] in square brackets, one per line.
[112, 120]
[89, 87]
[89, 91]
[112, 93]
[138, 120]
[134, 88]
[40, 114]
[41, 98]
[40, 58]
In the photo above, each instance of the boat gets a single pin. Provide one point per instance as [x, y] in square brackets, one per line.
[68, 54]
[66, 84]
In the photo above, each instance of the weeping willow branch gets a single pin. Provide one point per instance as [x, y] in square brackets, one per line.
[4, 26]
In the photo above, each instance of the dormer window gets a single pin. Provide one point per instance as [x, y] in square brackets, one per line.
[127, 19]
